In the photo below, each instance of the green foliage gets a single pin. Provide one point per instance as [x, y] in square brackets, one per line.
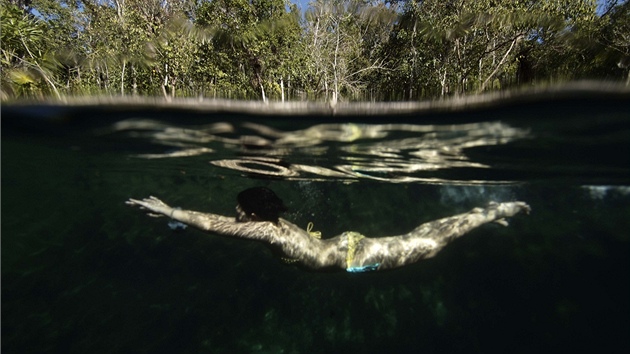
[341, 49]
[27, 65]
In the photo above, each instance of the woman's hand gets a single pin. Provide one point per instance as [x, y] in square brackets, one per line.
[156, 207]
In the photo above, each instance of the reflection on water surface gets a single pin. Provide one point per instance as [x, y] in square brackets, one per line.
[384, 152]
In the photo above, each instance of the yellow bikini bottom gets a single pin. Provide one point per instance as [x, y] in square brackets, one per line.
[353, 241]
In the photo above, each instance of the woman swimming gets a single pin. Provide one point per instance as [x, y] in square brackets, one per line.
[258, 219]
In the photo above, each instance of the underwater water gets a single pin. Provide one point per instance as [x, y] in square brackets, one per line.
[84, 273]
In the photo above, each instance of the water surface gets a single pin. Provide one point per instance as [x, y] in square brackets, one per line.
[84, 273]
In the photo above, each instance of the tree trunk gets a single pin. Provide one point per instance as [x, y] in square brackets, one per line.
[122, 78]
[120, 9]
[134, 84]
[262, 91]
[414, 54]
[335, 68]
[262, 88]
[496, 69]
[106, 81]
[443, 83]
[164, 86]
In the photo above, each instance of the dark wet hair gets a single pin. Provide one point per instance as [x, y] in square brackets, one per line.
[262, 202]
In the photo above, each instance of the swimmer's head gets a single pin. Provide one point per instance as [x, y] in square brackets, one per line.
[259, 204]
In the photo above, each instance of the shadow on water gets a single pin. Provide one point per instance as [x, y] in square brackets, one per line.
[82, 272]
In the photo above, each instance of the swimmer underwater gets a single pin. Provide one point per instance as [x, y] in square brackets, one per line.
[258, 219]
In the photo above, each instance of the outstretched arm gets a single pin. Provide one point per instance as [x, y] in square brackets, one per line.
[205, 221]
[158, 208]
[428, 239]
[288, 238]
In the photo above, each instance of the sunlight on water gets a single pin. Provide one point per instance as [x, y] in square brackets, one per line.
[393, 153]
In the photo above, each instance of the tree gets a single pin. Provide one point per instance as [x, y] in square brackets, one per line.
[611, 57]
[346, 39]
[340, 49]
[25, 53]
[253, 43]
[457, 47]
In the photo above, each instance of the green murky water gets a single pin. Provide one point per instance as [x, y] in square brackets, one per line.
[84, 273]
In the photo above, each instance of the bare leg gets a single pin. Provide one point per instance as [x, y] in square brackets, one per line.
[428, 239]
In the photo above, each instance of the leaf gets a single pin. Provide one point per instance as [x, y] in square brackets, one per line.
[21, 77]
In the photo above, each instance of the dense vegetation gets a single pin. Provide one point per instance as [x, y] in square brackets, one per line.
[271, 49]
